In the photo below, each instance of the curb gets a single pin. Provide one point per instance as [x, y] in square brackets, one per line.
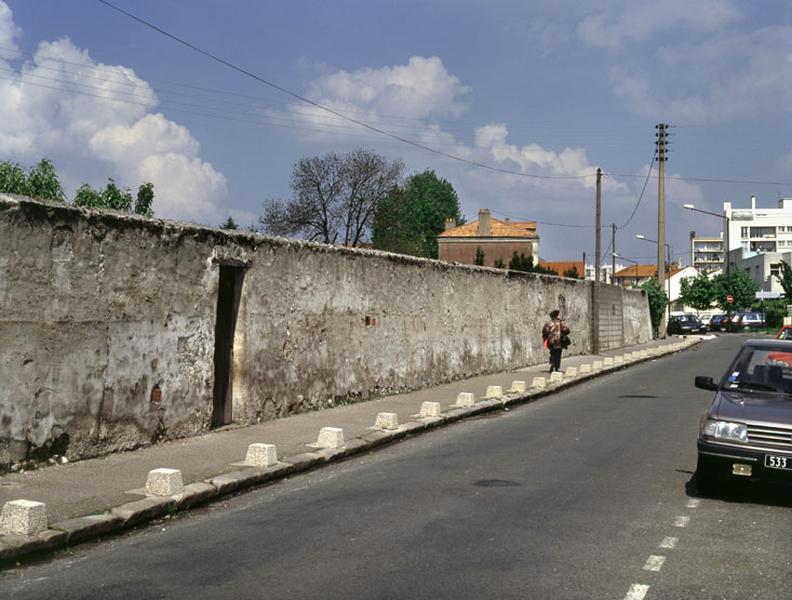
[130, 514]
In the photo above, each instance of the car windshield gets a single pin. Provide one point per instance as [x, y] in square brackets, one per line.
[762, 370]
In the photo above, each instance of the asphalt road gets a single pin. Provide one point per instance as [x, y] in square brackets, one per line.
[584, 494]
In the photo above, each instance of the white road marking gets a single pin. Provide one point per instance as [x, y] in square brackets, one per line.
[637, 591]
[693, 503]
[681, 521]
[654, 563]
[669, 542]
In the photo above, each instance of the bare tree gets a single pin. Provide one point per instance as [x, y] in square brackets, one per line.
[334, 197]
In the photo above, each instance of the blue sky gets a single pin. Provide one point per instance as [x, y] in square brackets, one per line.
[541, 88]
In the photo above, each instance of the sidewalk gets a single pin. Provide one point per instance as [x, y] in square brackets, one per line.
[95, 486]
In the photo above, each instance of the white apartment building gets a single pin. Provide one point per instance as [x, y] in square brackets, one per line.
[760, 229]
[706, 253]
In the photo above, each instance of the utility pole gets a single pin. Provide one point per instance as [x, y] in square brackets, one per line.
[613, 251]
[662, 138]
[595, 333]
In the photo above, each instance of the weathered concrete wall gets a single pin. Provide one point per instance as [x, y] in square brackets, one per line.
[637, 324]
[96, 308]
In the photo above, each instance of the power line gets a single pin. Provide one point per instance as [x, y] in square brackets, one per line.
[341, 115]
[640, 197]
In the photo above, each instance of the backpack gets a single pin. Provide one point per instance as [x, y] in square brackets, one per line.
[554, 334]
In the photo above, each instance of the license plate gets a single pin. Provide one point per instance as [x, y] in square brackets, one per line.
[778, 462]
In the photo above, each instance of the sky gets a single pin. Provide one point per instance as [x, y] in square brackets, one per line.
[546, 90]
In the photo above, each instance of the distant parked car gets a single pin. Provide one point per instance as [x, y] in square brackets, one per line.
[734, 323]
[752, 321]
[715, 322]
[685, 325]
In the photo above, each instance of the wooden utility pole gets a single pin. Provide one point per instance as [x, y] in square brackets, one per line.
[661, 220]
[595, 337]
[613, 251]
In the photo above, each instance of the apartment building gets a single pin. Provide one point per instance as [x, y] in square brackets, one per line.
[760, 229]
[706, 253]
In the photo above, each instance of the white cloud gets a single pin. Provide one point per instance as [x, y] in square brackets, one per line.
[730, 76]
[60, 104]
[8, 33]
[637, 21]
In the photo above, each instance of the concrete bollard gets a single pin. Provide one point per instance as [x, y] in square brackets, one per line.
[387, 421]
[517, 386]
[494, 391]
[635, 354]
[642, 354]
[618, 360]
[570, 373]
[556, 376]
[607, 361]
[585, 368]
[430, 409]
[538, 382]
[164, 482]
[331, 438]
[596, 365]
[261, 455]
[465, 399]
[23, 517]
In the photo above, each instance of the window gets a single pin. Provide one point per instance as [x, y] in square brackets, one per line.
[775, 270]
[743, 232]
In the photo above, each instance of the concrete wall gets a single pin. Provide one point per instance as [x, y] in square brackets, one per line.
[96, 308]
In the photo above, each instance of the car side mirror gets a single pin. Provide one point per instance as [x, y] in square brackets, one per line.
[706, 383]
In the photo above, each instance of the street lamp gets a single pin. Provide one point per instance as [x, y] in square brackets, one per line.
[726, 261]
[669, 254]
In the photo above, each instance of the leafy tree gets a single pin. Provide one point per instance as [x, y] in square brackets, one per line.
[411, 218]
[739, 285]
[785, 279]
[145, 200]
[334, 197]
[572, 273]
[520, 262]
[117, 198]
[229, 224]
[698, 292]
[479, 259]
[499, 264]
[657, 300]
[41, 180]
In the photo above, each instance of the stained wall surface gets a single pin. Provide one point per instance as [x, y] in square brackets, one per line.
[107, 326]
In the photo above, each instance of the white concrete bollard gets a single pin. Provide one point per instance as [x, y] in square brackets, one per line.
[465, 399]
[585, 368]
[261, 455]
[164, 482]
[618, 360]
[642, 354]
[494, 391]
[430, 409]
[23, 517]
[387, 421]
[330, 437]
[517, 386]
[570, 373]
[607, 361]
[596, 365]
[636, 354]
[538, 382]
[556, 376]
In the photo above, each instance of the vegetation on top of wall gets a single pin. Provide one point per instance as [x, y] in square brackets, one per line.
[42, 181]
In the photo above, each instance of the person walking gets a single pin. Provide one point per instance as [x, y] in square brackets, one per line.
[554, 334]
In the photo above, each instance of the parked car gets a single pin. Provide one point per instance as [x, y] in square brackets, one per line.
[785, 333]
[752, 320]
[685, 324]
[746, 431]
[715, 322]
[733, 323]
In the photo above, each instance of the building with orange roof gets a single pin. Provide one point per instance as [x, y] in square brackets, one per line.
[497, 240]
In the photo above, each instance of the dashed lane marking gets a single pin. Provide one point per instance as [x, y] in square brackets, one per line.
[669, 543]
[654, 563]
[681, 521]
[637, 591]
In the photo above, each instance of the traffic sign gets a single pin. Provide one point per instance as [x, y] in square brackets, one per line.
[729, 298]
[769, 295]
